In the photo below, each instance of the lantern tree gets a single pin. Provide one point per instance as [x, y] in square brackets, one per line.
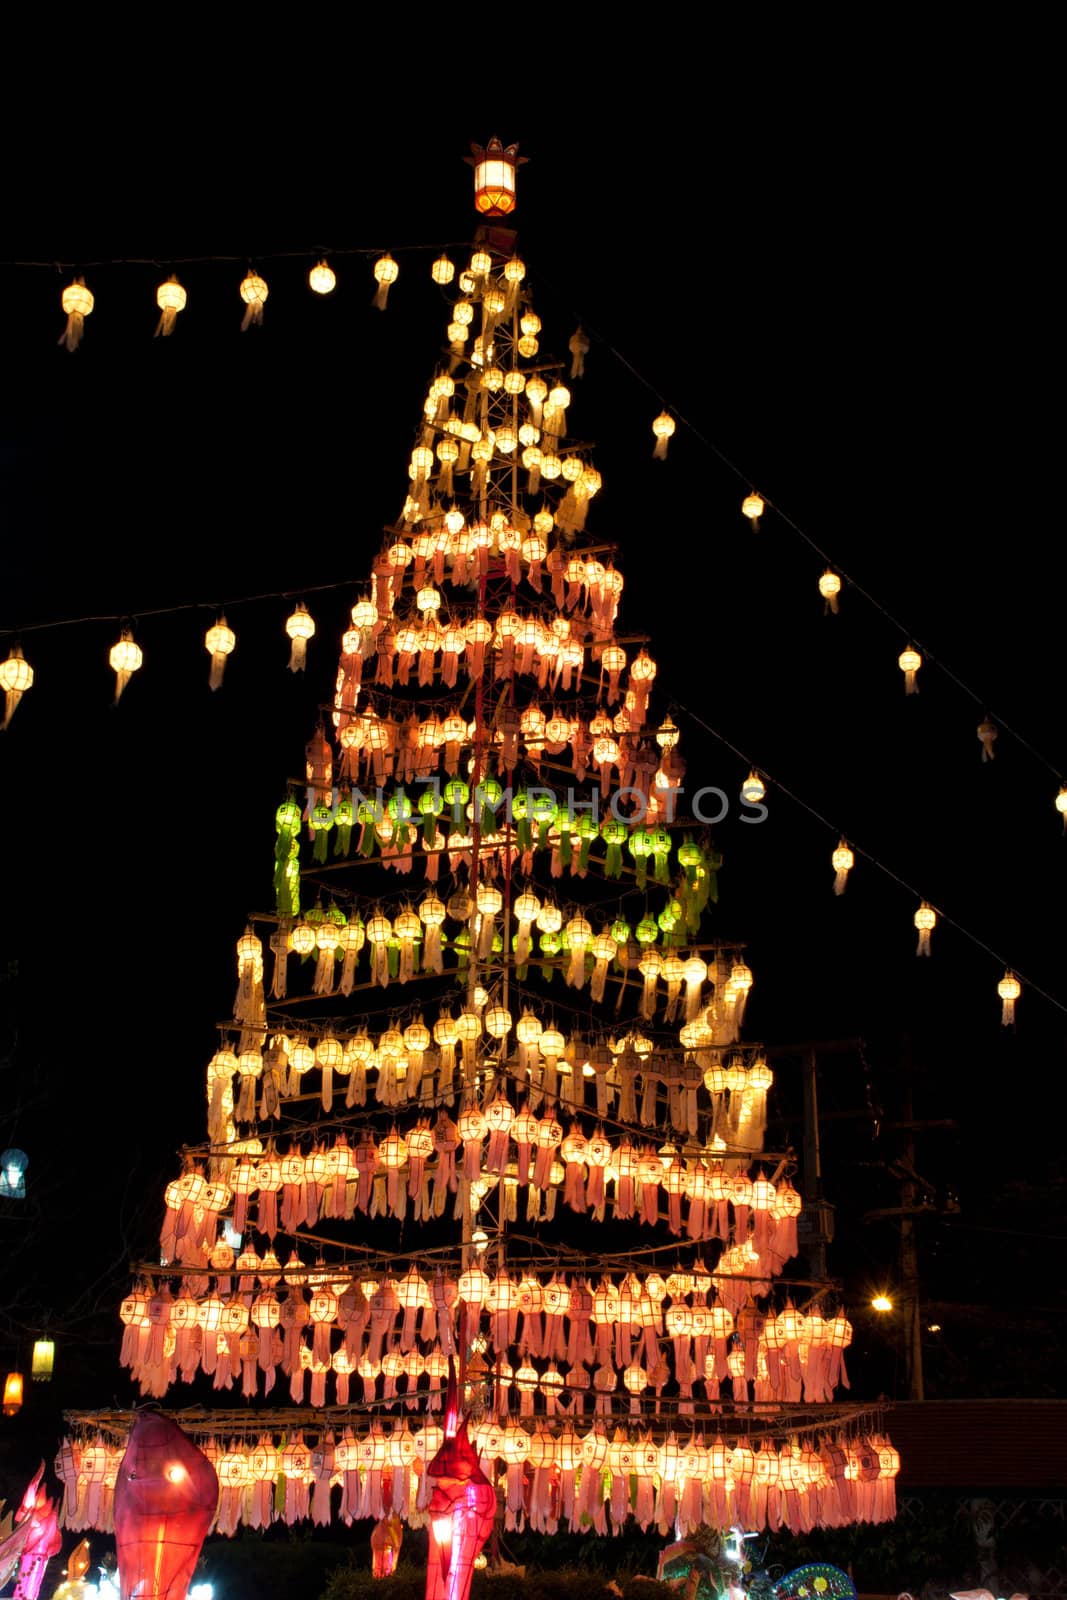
[485, 1097]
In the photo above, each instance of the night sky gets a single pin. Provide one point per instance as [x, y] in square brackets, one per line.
[841, 299]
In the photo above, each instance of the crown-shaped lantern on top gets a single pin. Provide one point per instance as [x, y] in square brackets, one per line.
[495, 166]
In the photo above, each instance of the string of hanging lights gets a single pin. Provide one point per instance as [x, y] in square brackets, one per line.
[843, 858]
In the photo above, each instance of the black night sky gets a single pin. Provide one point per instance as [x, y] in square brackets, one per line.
[842, 295]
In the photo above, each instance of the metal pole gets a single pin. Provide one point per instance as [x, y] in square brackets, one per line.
[816, 1250]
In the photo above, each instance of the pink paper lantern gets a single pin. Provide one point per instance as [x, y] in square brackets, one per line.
[165, 1498]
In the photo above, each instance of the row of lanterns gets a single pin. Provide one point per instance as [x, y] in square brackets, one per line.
[552, 1478]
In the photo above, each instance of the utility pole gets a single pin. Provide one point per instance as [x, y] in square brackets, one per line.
[909, 1260]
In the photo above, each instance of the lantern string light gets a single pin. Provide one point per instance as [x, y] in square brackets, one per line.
[858, 850]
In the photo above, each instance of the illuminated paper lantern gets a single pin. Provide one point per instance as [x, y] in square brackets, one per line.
[13, 1392]
[925, 921]
[830, 588]
[752, 507]
[987, 732]
[842, 862]
[300, 626]
[16, 677]
[461, 1510]
[77, 301]
[494, 177]
[170, 298]
[322, 279]
[165, 1498]
[663, 428]
[386, 272]
[125, 658]
[254, 293]
[909, 661]
[219, 642]
[1009, 989]
[44, 1360]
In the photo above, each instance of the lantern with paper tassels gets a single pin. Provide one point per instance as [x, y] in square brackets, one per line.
[77, 301]
[443, 271]
[219, 642]
[909, 661]
[254, 293]
[322, 279]
[925, 920]
[842, 862]
[663, 428]
[300, 626]
[125, 659]
[753, 508]
[1009, 989]
[830, 588]
[170, 298]
[386, 272]
[16, 677]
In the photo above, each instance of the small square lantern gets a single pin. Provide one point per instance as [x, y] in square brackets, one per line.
[494, 177]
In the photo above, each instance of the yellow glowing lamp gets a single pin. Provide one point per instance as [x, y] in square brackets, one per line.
[494, 177]
[386, 272]
[12, 1393]
[1009, 989]
[909, 661]
[1060, 802]
[170, 298]
[16, 677]
[77, 301]
[300, 626]
[842, 862]
[753, 508]
[663, 428]
[830, 588]
[443, 271]
[753, 789]
[254, 293]
[322, 279]
[925, 921]
[881, 1302]
[219, 642]
[44, 1360]
[125, 658]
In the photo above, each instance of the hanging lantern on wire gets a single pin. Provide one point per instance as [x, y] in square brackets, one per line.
[987, 732]
[386, 272]
[494, 177]
[1060, 802]
[166, 1492]
[13, 1391]
[909, 661]
[663, 428]
[926, 921]
[43, 1361]
[842, 862]
[443, 271]
[753, 508]
[322, 279]
[77, 301]
[125, 658]
[753, 789]
[16, 677]
[830, 588]
[1009, 989]
[170, 298]
[300, 626]
[219, 642]
[254, 293]
[578, 345]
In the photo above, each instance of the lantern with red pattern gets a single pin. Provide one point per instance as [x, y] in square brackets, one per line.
[165, 1498]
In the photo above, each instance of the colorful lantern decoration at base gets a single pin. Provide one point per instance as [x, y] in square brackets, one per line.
[165, 1499]
[385, 1544]
[33, 1542]
[75, 1585]
[462, 1508]
[816, 1581]
[494, 177]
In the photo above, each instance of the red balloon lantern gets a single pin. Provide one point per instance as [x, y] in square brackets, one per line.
[165, 1498]
[462, 1508]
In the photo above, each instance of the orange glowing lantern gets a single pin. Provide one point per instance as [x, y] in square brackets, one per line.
[494, 177]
